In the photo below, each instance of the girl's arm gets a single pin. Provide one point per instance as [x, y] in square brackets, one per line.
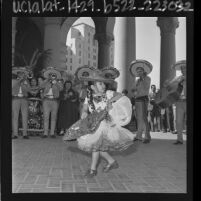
[85, 108]
[84, 112]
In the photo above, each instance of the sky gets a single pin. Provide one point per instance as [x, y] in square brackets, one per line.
[148, 42]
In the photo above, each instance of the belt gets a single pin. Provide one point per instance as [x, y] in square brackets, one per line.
[142, 98]
[19, 96]
[50, 98]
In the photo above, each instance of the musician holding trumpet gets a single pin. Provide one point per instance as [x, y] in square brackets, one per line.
[20, 89]
[51, 88]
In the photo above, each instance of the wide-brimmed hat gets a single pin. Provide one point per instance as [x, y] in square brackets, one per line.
[179, 64]
[110, 72]
[86, 73]
[142, 64]
[51, 70]
[16, 70]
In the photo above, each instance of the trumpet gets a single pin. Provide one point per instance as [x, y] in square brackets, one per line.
[30, 75]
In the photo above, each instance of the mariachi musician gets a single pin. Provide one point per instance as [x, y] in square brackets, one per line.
[140, 69]
[174, 91]
[181, 103]
[20, 89]
[51, 89]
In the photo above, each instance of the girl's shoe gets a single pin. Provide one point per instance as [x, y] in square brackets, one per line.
[90, 173]
[111, 166]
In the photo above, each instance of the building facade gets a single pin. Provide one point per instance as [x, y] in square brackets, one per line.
[50, 33]
[82, 49]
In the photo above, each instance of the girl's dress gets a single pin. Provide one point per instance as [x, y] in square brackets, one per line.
[110, 135]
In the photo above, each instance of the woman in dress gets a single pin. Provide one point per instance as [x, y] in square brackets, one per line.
[110, 135]
[68, 108]
[35, 116]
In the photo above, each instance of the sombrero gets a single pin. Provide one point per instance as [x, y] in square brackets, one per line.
[86, 73]
[140, 63]
[179, 64]
[110, 72]
[51, 70]
[16, 70]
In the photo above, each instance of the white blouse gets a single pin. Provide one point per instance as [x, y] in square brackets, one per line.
[102, 104]
[121, 111]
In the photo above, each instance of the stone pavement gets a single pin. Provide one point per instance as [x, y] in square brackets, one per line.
[50, 165]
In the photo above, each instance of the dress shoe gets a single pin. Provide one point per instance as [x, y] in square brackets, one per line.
[26, 137]
[136, 139]
[111, 166]
[178, 142]
[53, 136]
[90, 173]
[146, 141]
[14, 137]
[44, 136]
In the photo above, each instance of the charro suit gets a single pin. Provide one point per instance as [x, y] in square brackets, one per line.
[19, 102]
[50, 104]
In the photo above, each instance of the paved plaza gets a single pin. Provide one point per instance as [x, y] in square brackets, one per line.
[50, 165]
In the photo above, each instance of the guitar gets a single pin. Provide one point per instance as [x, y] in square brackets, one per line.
[170, 93]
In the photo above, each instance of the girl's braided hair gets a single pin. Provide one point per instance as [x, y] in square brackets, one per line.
[90, 94]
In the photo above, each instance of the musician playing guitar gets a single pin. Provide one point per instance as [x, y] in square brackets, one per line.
[181, 103]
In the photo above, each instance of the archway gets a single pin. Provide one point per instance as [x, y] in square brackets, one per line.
[28, 39]
[78, 45]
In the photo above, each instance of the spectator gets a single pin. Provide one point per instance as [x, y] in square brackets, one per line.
[154, 111]
[132, 126]
[69, 107]
[125, 92]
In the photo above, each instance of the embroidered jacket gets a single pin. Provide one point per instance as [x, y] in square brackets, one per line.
[20, 87]
[56, 88]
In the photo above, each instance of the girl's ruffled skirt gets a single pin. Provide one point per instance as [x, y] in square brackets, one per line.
[108, 137]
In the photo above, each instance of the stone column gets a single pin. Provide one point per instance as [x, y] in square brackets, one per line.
[168, 27]
[124, 51]
[104, 41]
[14, 31]
[52, 40]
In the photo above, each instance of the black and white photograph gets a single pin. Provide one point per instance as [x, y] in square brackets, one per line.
[97, 104]
[66, 71]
